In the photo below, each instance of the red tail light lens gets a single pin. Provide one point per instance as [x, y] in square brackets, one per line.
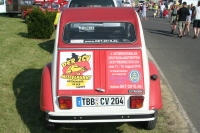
[65, 102]
[136, 101]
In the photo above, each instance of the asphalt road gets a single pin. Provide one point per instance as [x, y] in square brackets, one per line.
[179, 60]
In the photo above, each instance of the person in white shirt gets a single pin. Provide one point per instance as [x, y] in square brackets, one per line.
[144, 10]
[162, 8]
[196, 23]
[188, 21]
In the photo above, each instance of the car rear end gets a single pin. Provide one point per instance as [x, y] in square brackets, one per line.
[100, 71]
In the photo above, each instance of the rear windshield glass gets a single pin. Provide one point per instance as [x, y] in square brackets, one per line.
[91, 3]
[101, 32]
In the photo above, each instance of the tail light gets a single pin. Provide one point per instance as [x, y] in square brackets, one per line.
[65, 102]
[136, 101]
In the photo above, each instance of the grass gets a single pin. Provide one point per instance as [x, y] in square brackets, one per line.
[21, 63]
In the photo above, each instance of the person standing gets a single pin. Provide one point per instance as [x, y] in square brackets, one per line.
[169, 7]
[173, 19]
[155, 10]
[139, 8]
[162, 8]
[144, 10]
[165, 13]
[188, 21]
[158, 12]
[196, 24]
[182, 15]
[150, 6]
[192, 8]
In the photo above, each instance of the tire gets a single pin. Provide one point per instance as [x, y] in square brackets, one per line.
[50, 126]
[149, 125]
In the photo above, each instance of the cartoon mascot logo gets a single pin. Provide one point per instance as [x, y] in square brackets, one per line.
[74, 69]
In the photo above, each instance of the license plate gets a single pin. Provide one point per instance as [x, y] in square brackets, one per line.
[99, 101]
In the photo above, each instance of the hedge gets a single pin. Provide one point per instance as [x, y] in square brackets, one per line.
[40, 23]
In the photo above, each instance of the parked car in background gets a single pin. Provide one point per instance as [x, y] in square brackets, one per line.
[50, 6]
[127, 4]
[95, 3]
[89, 3]
[100, 70]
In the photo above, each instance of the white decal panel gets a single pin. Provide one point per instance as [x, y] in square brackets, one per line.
[76, 70]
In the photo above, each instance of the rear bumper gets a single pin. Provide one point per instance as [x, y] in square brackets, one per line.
[59, 118]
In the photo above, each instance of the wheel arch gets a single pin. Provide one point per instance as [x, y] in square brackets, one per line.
[46, 99]
[155, 98]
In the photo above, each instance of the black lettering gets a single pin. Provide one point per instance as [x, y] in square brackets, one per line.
[87, 101]
[84, 58]
[102, 99]
[113, 101]
[83, 99]
[107, 101]
[117, 100]
[92, 101]
[135, 91]
[121, 101]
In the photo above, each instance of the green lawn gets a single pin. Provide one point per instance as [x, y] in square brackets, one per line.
[21, 63]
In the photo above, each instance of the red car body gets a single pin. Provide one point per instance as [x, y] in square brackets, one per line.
[100, 70]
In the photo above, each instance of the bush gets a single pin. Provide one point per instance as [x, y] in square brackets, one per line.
[40, 23]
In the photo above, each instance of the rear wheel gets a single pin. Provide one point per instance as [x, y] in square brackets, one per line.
[149, 125]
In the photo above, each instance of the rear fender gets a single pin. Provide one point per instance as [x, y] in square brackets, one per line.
[155, 100]
[46, 100]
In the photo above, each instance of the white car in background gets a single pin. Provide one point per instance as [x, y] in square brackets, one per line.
[127, 4]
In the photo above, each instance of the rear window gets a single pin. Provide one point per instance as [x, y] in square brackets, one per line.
[97, 33]
[91, 3]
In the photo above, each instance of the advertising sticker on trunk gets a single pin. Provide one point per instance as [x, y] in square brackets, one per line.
[76, 70]
[125, 70]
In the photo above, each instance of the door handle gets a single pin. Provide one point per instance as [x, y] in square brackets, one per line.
[100, 90]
